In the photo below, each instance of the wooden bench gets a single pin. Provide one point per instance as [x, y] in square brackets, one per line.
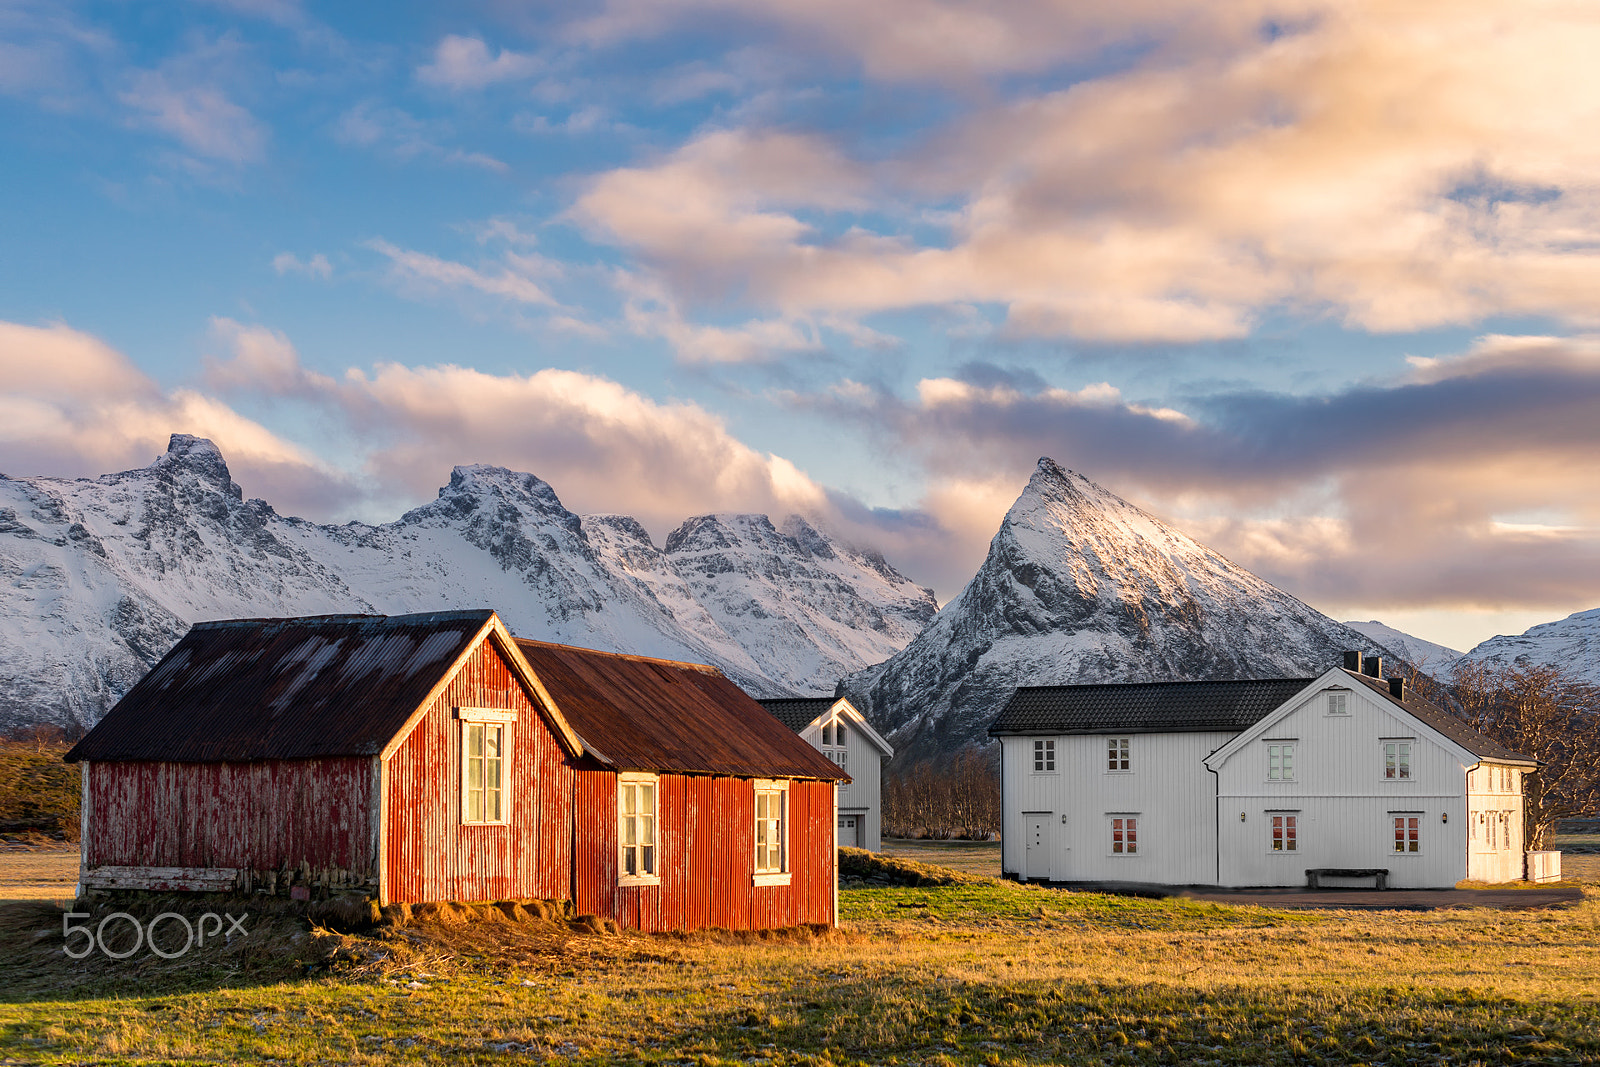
[1314, 875]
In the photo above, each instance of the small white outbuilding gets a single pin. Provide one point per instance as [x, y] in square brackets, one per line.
[1272, 782]
[835, 728]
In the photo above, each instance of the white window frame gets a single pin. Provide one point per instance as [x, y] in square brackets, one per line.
[1281, 748]
[837, 751]
[1418, 817]
[1044, 755]
[1337, 704]
[1122, 745]
[1289, 823]
[631, 781]
[1403, 753]
[1117, 822]
[485, 719]
[779, 788]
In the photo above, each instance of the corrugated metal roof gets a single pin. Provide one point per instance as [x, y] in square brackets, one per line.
[1143, 707]
[1480, 745]
[246, 689]
[797, 712]
[639, 714]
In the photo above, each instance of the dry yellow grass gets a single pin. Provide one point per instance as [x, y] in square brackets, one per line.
[971, 974]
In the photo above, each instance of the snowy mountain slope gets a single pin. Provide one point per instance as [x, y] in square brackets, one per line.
[774, 591]
[99, 577]
[1572, 643]
[1431, 658]
[1081, 586]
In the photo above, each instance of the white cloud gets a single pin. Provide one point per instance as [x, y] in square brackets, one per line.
[1395, 167]
[465, 63]
[71, 405]
[200, 117]
[316, 267]
[430, 273]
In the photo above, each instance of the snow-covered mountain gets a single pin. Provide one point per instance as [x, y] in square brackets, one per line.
[1431, 658]
[101, 576]
[1081, 586]
[1572, 643]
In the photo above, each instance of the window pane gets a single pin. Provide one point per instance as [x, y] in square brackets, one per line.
[630, 799]
[491, 806]
[474, 772]
[647, 829]
[491, 771]
[475, 806]
[647, 799]
[838, 733]
[648, 859]
[474, 740]
[630, 861]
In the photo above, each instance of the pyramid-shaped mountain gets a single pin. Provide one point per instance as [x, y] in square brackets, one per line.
[1081, 586]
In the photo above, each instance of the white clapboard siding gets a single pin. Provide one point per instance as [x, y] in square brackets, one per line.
[1343, 804]
[1492, 811]
[1167, 786]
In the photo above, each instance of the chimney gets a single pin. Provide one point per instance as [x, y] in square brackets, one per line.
[1352, 661]
[1397, 688]
[1372, 666]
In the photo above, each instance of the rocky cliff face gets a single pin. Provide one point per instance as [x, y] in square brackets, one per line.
[1432, 658]
[1572, 643]
[1081, 586]
[101, 577]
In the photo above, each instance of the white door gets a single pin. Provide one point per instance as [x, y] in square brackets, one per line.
[1036, 852]
[850, 831]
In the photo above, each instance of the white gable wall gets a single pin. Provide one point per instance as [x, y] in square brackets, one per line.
[1344, 807]
[861, 797]
[1167, 788]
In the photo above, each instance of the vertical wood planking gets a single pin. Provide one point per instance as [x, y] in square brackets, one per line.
[257, 816]
[430, 853]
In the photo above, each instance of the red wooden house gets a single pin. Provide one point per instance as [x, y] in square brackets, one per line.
[434, 757]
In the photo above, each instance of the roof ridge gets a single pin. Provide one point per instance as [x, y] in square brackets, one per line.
[703, 668]
[413, 617]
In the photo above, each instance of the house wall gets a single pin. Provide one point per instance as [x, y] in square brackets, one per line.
[1343, 805]
[1493, 811]
[1167, 786]
[862, 796]
[706, 840]
[429, 854]
[251, 817]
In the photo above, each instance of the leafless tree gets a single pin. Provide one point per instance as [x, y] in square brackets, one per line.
[958, 796]
[1543, 712]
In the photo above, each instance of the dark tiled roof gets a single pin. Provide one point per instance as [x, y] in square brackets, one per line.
[1478, 744]
[245, 689]
[797, 712]
[1144, 707]
[638, 714]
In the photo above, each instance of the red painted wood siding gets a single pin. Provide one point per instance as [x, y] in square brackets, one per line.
[706, 838]
[430, 854]
[257, 816]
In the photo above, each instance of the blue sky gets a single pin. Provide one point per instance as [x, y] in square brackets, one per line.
[1315, 281]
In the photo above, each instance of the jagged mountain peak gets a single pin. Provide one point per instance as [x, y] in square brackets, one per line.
[1081, 586]
[199, 456]
[102, 575]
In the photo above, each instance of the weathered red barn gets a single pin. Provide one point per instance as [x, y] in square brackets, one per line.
[434, 757]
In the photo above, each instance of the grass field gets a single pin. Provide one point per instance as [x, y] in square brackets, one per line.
[977, 973]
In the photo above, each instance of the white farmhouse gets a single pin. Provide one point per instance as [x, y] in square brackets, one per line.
[1273, 782]
[836, 729]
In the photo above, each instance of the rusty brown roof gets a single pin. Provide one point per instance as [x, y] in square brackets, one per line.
[639, 714]
[245, 689]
